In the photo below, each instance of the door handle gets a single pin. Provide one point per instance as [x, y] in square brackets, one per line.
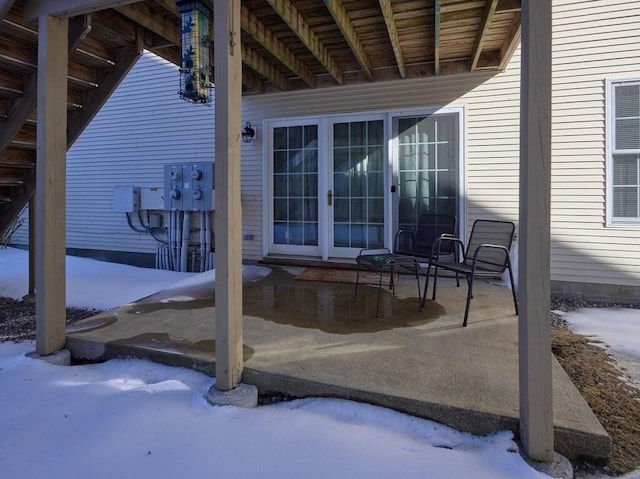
[330, 198]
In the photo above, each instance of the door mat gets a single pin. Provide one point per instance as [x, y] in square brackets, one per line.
[334, 275]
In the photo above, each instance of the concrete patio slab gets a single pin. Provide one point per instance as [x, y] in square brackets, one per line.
[305, 338]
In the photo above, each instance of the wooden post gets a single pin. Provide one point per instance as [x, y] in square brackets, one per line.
[228, 214]
[534, 335]
[50, 184]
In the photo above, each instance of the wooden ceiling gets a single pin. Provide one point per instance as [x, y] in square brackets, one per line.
[286, 45]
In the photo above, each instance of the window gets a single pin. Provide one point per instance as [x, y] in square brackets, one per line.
[623, 172]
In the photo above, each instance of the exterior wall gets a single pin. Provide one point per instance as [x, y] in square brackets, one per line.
[592, 41]
[492, 134]
[143, 126]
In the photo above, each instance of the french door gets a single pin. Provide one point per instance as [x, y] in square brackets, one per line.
[340, 184]
[356, 188]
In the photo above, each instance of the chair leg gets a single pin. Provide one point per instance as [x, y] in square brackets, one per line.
[426, 287]
[417, 268]
[435, 283]
[469, 296]
[379, 289]
[357, 281]
[513, 287]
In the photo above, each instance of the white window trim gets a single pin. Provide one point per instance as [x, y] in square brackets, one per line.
[610, 221]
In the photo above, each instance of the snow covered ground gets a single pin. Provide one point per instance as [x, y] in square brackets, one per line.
[135, 419]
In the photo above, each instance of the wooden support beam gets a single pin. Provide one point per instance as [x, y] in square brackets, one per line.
[392, 31]
[162, 26]
[34, 9]
[260, 65]
[509, 6]
[300, 27]
[126, 58]
[534, 290]
[268, 40]
[51, 184]
[485, 23]
[252, 81]
[436, 36]
[228, 214]
[11, 211]
[19, 112]
[32, 247]
[341, 18]
[511, 41]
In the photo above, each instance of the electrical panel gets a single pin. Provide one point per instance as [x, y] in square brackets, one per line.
[189, 186]
[126, 199]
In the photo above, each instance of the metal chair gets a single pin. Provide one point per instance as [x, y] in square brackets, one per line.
[486, 256]
[420, 243]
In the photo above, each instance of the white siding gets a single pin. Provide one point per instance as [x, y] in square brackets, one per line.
[143, 126]
[492, 119]
[592, 40]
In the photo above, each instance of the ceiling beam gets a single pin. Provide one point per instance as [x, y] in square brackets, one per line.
[436, 36]
[33, 9]
[260, 65]
[252, 81]
[11, 211]
[511, 41]
[390, 22]
[301, 28]
[485, 23]
[107, 83]
[158, 24]
[18, 115]
[268, 40]
[509, 6]
[341, 18]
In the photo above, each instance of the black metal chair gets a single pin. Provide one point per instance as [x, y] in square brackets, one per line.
[486, 256]
[420, 243]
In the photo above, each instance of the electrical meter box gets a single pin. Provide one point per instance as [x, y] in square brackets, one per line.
[126, 199]
[189, 186]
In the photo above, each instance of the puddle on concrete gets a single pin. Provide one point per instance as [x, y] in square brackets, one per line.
[163, 343]
[326, 306]
[90, 324]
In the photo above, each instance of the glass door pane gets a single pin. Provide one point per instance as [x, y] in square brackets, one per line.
[295, 188]
[358, 186]
[428, 162]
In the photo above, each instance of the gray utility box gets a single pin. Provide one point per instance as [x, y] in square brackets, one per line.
[126, 199]
[189, 187]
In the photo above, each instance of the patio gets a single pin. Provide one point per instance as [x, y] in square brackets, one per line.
[309, 338]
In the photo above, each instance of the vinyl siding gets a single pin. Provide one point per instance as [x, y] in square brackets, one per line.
[592, 41]
[142, 126]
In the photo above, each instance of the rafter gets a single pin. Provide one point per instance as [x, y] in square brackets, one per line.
[125, 59]
[509, 6]
[436, 36]
[301, 28]
[268, 40]
[252, 81]
[341, 18]
[11, 211]
[33, 9]
[511, 42]
[390, 22]
[158, 24]
[485, 23]
[18, 115]
[260, 65]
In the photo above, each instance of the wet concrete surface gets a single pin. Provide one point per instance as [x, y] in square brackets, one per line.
[306, 338]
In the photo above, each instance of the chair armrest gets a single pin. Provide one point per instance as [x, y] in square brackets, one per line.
[436, 248]
[492, 246]
[396, 242]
